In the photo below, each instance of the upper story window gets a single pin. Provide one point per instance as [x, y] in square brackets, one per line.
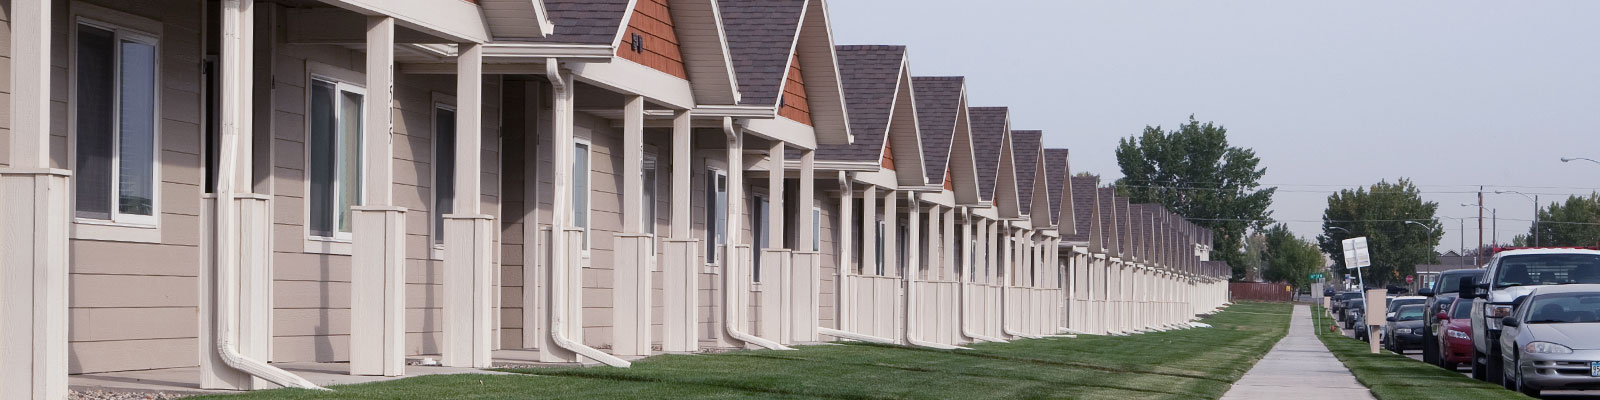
[115, 122]
[335, 146]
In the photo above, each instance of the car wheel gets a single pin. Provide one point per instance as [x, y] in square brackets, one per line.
[1448, 366]
[1478, 369]
[1521, 386]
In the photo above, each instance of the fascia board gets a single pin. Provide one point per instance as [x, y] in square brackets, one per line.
[454, 20]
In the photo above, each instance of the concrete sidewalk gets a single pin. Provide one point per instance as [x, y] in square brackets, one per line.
[1299, 367]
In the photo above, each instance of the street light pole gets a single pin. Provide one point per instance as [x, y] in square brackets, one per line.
[1535, 199]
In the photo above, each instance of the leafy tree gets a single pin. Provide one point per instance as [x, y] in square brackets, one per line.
[1287, 258]
[1194, 172]
[1380, 213]
[1575, 222]
[1254, 246]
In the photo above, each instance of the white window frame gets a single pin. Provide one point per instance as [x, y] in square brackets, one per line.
[343, 80]
[120, 227]
[435, 238]
[588, 197]
[712, 213]
[816, 228]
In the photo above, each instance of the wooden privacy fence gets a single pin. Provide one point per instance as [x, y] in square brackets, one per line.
[1265, 291]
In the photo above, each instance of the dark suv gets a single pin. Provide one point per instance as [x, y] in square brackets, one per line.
[1339, 300]
[1443, 291]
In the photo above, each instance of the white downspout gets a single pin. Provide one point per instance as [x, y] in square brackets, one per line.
[560, 110]
[966, 233]
[911, 289]
[226, 262]
[730, 273]
[1006, 286]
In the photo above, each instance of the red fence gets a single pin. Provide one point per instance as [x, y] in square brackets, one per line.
[1259, 291]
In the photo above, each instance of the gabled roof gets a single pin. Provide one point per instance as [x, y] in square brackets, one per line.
[1125, 228]
[1106, 207]
[990, 127]
[1083, 209]
[585, 21]
[1061, 195]
[883, 117]
[765, 37]
[938, 100]
[516, 19]
[1026, 149]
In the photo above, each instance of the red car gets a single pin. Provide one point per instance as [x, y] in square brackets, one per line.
[1455, 338]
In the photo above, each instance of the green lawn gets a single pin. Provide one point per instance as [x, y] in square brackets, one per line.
[1194, 363]
[1396, 377]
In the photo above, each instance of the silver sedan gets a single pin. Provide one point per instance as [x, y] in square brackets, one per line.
[1552, 339]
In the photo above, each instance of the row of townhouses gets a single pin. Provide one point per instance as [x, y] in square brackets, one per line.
[228, 184]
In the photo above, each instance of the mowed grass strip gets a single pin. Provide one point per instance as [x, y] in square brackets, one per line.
[1395, 377]
[1187, 364]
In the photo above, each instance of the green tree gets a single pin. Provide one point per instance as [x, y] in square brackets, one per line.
[1381, 213]
[1255, 245]
[1287, 258]
[1575, 222]
[1194, 172]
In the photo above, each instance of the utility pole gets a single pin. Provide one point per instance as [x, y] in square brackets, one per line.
[1536, 232]
[1477, 256]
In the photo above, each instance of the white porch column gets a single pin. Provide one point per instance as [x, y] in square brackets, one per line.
[774, 257]
[631, 293]
[869, 230]
[377, 277]
[950, 265]
[891, 222]
[469, 293]
[846, 263]
[935, 260]
[34, 217]
[805, 272]
[680, 269]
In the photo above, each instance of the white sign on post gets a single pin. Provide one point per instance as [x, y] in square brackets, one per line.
[1355, 252]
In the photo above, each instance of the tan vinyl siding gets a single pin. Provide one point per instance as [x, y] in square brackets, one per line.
[312, 291]
[133, 305]
[5, 88]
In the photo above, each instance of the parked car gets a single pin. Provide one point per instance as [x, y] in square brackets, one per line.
[1352, 311]
[1404, 328]
[1396, 302]
[1455, 334]
[1440, 297]
[1510, 275]
[1552, 340]
[1339, 301]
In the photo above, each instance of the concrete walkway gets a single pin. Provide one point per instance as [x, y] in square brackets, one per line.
[1299, 367]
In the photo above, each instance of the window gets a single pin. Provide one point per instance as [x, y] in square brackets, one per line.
[816, 229]
[716, 212]
[444, 167]
[880, 249]
[580, 189]
[115, 124]
[761, 225]
[335, 145]
[647, 176]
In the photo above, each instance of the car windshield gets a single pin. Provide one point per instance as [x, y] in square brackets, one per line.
[1409, 313]
[1564, 308]
[1547, 269]
[1462, 310]
[1450, 283]
[1396, 304]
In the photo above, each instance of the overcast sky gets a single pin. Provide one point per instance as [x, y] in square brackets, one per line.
[1452, 94]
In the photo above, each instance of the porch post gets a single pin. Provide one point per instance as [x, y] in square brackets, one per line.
[680, 269]
[846, 245]
[935, 260]
[805, 279]
[34, 217]
[869, 230]
[631, 286]
[950, 264]
[469, 293]
[774, 257]
[377, 272]
[891, 220]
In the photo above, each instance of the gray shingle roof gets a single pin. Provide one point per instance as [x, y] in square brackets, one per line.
[1055, 164]
[1139, 229]
[1124, 227]
[1108, 221]
[938, 99]
[584, 21]
[761, 34]
[1083, 205]
[1025, 146]
[988, 137]
[870, 75]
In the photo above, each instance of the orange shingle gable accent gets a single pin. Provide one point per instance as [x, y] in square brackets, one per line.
[653, 23]
[888, 155]
[949, 184]
[794, 95]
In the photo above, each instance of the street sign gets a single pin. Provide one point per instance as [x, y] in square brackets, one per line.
[1355, 252]
[1315, 276]
[1410, 278]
